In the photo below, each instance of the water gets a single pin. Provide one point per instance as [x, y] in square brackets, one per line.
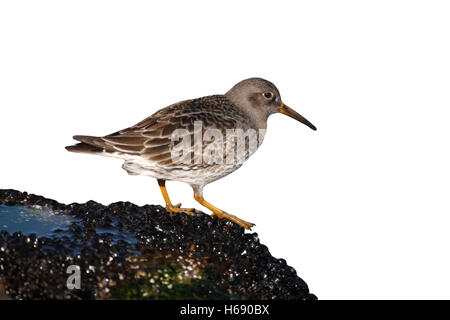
[39, 220]
[44, 221]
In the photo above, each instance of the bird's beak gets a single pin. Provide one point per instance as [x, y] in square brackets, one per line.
[284, 109]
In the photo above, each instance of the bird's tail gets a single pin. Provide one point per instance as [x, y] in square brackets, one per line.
[88, 144]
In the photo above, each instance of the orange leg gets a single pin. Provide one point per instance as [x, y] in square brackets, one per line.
[220, 213]
[169, 206]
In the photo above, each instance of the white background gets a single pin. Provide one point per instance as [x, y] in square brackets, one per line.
[360, 207]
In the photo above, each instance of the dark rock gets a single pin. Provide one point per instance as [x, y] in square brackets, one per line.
[130, 252]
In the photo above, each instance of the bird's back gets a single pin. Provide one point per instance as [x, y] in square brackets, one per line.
[148, 146]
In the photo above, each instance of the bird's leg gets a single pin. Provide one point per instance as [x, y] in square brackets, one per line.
[169, 206]
[220, 213]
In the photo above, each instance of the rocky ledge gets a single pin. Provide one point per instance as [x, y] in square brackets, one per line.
[50, 250]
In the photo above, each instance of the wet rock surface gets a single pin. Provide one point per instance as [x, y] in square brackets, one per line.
[129, 252]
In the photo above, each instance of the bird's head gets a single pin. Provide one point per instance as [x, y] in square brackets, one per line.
[261, 98]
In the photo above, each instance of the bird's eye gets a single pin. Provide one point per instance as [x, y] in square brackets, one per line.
[268, 95]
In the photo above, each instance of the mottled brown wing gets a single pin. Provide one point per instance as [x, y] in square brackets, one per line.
[152, 137]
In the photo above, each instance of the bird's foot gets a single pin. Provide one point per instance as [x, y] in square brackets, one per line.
[244, 224]
[177, 209]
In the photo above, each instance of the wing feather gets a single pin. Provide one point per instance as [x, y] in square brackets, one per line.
[151, 138]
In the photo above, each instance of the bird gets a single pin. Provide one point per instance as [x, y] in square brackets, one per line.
[195, 141]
